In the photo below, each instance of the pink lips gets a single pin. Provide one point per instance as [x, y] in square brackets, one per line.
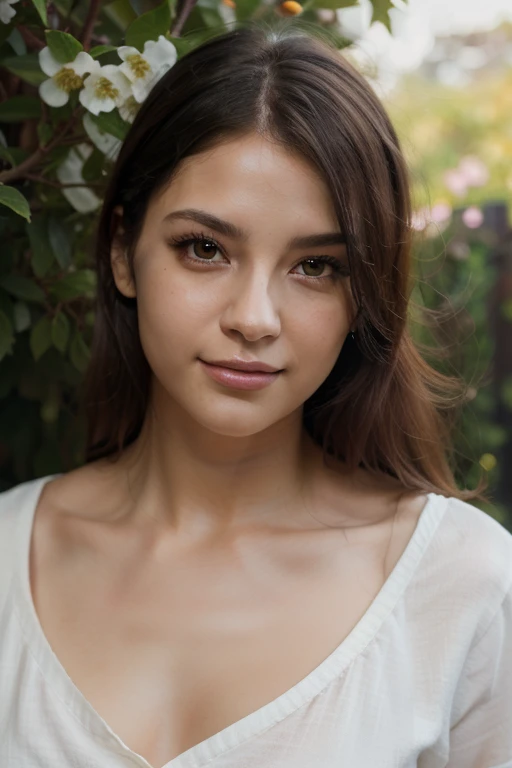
[239, 379]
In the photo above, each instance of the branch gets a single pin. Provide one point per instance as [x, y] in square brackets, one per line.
[185, 12]
[19, 171]
[61, 185]
[90, 21]
[30, 39]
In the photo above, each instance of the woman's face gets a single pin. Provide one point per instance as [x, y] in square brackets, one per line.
[248, 293]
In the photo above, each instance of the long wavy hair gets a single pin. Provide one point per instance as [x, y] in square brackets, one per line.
[383, 406]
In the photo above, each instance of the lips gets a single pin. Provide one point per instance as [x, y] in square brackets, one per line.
[237, 379]
[249, 366]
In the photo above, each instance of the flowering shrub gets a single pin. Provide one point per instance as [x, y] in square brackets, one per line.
[73, 74]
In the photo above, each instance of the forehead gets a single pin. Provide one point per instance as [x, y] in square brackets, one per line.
[251, 175]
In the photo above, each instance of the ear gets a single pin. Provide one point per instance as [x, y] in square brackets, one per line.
[118, 256]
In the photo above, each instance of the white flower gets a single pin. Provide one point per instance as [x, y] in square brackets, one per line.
[82, 199]
[129, 108]
[104, 89]
[105, 142]
[64, 78]
[6, 12]
[144, 69]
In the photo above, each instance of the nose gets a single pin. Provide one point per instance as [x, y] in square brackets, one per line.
[251, 310]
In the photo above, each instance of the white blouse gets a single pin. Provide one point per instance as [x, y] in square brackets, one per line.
[424, 679]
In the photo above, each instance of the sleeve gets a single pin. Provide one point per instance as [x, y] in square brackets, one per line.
[481, 735]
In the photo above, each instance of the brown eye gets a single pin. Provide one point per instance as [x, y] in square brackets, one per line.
[316, 265]
[205, 248]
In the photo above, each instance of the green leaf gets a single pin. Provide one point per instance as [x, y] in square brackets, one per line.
[506, 309]
[506, 392]
[79, 352]
[149, 26]
[6, 154]
[211, 17]
[22, 318]
[60, 239]
[63, 46]
[75, 285]
[380, 13]
[22, 288]
[5, 31]
[40, 7]
[42, 253]
[244, 9]
[51, 405]
[45, 133]
[90, 318]
[41, 337]
[120, 12]
[182, 44]
[60, 331]
[26, 67]
[93, 166]
[112, 122]
[332, 4]
[61, 114]
[99, 49]
[13, 199]
[7, 305]
[17, 43]
[8, 379]
[6, 335]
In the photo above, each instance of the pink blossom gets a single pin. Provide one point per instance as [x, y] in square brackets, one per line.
[474, 171]
[472, 217]
[456, 182]
[420, 218]
[441, 212]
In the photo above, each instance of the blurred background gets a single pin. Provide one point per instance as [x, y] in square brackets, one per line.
[444, 71]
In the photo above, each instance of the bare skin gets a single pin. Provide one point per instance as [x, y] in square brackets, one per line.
[173, 584]
[175, 641]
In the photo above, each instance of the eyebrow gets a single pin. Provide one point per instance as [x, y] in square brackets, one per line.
[231, 230]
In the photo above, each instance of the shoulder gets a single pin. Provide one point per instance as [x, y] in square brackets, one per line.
[16, 507]
[14, 501]
[472, 559]
[480, 539]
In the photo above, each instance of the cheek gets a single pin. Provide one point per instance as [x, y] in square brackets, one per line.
[319, 334]
[170, 319]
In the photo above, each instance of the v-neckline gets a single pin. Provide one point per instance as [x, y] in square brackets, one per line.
[255, 722]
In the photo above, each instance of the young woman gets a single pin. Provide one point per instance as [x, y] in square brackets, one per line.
[265, 561]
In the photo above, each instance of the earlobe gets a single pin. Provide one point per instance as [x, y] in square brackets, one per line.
[119, 257]
[121, 273]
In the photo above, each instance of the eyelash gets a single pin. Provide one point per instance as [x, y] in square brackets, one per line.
[182, 242]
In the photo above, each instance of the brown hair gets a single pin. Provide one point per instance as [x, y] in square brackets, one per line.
[382, 407]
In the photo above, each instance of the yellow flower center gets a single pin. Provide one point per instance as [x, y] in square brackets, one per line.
[131, 105]
[68, 80]
[138, 65]
[105, 89]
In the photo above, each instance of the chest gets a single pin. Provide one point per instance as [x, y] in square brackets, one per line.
[172, 650]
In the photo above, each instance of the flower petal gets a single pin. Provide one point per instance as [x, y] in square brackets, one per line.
[127, 50]
[48, 63]
[118, 79]
[70, 172]
[128, 109]
[90, 101]
[6, 12]
[83, 63]
[105, 142]
[141, 89]
[160, 53]
[127, 71]
[52, 95]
